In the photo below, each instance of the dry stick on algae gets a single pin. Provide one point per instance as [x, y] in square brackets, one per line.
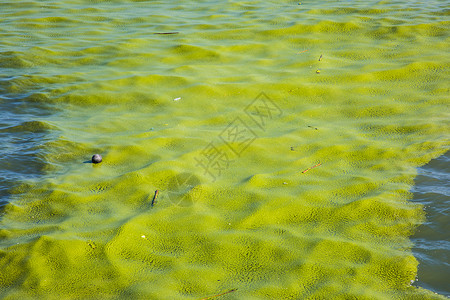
[173, 32]
[154, 197]
[311, 168]
[218, 295]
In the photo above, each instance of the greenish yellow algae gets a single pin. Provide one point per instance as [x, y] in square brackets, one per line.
[376, 111]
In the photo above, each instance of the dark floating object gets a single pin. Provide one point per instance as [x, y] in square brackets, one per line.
[218, 295]
[92, 244]
[313, 127]
[97, 158]
[174, 32]
[154, 197]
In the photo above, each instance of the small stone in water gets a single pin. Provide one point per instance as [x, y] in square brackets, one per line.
[97, 158]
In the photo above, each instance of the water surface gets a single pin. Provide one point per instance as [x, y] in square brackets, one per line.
[284, 139]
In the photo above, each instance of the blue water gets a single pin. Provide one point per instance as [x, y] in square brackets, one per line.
[432, 239]
[20, 138]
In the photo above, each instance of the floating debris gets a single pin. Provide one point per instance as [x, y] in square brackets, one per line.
[320, 58]
[312, 127]
[92, 244]
[318, 72]
[172, 32]
[215, 296]
[302, 51]
[154, 197]
[311, 168]
[176, 99]
[96, 158]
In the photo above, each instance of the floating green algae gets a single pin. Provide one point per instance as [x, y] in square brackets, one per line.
[238, 84]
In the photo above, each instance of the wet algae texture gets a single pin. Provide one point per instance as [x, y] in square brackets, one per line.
[221, 118]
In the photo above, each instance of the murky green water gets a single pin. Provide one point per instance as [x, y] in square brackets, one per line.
[283, 138]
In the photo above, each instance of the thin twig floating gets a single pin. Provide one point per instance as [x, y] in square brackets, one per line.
[320, 58]
[92, 244]
[173, 32]
[154, 197]
[302, 51]
[311, 168]
[215, 296]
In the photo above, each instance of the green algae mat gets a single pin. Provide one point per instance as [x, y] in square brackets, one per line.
[282, 137]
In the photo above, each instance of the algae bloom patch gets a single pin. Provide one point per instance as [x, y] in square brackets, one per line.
[252, 150]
